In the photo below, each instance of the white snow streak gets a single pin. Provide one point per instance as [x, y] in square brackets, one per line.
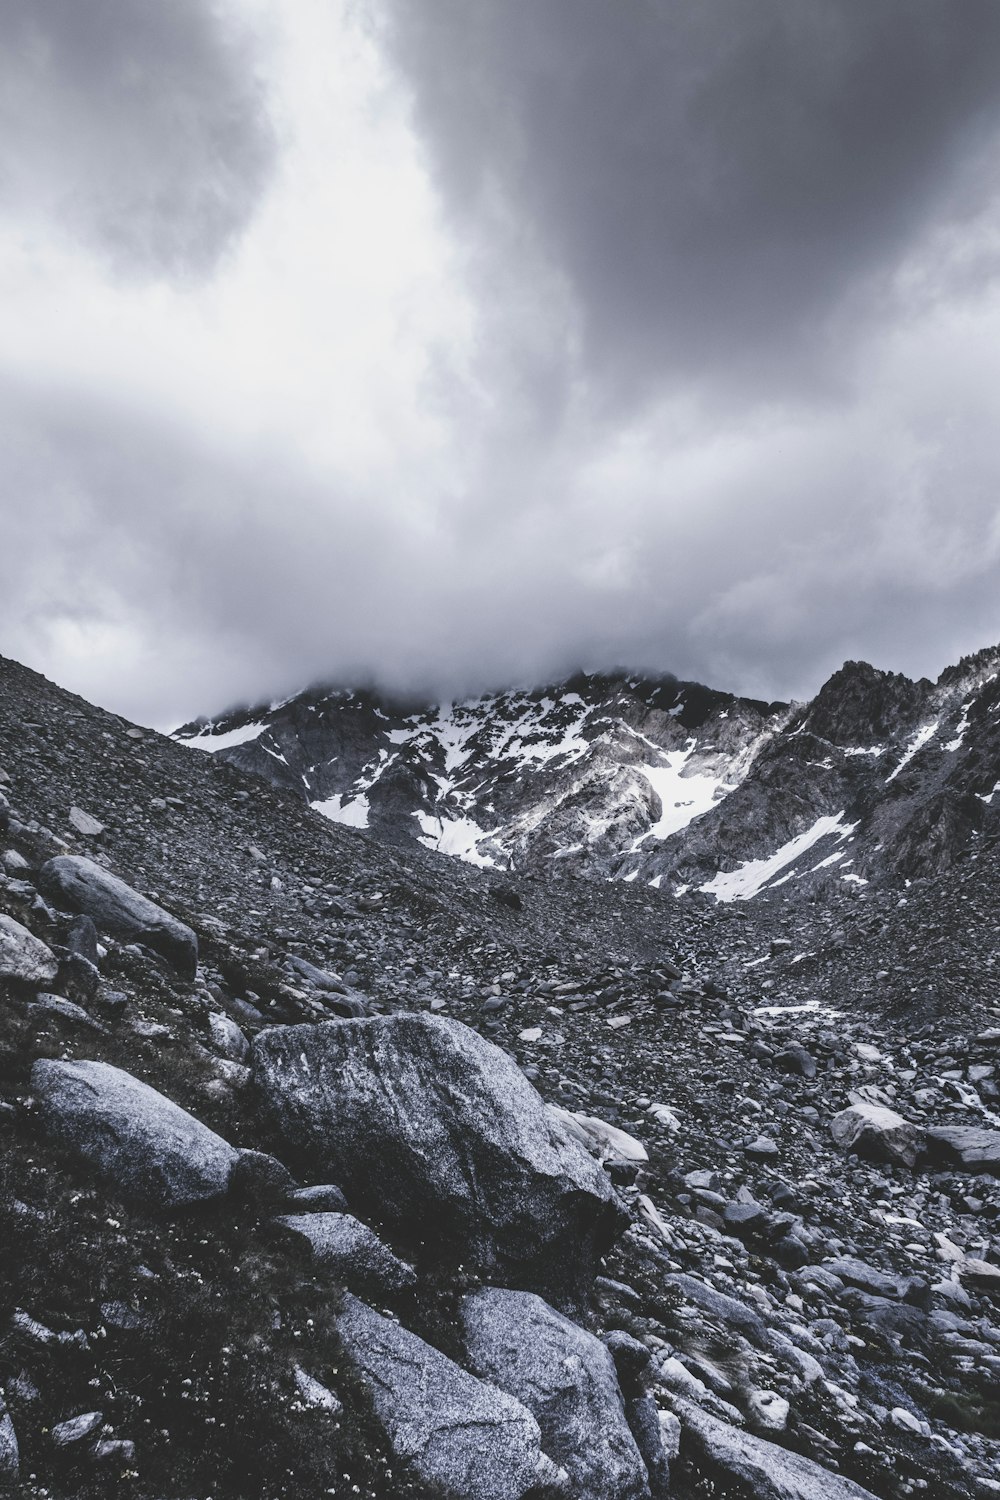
[754, 874]
[917, 742]
[206, 740]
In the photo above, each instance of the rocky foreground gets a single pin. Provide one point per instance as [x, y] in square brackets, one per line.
[334, 1169]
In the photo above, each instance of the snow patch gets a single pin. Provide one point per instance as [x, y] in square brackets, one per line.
[754, 874]
[353, 812]
[682, 798]
[917, 742]
[207, 739]
[456, 836]
[963, 725]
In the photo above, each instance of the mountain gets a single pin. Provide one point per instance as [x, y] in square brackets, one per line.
[653, 780]
[334, 1165]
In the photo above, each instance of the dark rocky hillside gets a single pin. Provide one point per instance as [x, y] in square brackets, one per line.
[332, 1165]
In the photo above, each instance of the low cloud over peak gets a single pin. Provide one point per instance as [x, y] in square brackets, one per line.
[447, 346]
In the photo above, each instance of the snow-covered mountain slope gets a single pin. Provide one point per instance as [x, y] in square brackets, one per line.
[660, 781]
[585, 773]
[877, 778]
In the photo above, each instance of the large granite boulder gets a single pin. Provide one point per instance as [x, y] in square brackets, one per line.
[567, 1380]
[435, 1133]
[878, 1133]
[458, 1433]
[23, 957]
[151, 1150]
[81, 885]
[970, 1148]
[754, 1466]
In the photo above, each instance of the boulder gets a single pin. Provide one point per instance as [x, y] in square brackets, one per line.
[967, 1147]
[81, 885]
[456, 1432]
[77, 1429]
[85, 823]
[724, 1309]
[856, 1272]
[350, 1251]
[148, 1147]
[567, 1380]
[607, 1142]
[758, 1467]
[872, 1131]
[795, 1059]
[10, 1461]
[23, 957]
[321, 1198]
[227, 1037]
[434, 1132]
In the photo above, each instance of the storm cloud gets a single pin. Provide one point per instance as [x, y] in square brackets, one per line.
[722, 185]
[461, 344]
[135, 126]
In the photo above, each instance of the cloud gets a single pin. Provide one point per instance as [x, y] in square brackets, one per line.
[660, 336]
[138, 128]
[721, 185]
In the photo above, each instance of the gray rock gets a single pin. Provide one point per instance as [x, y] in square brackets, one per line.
[350, 1251]
[567, 1380]
[859, 1273]
[765, 1471]
[82, 939]
[228, 1037]
[872, 1131]
[86, 887]
[10, 1459]
[645, 1422]
[261, 1181]
[437, 1133]
[68, 1010]
[313, 1393]
[323, 1198]
[762, 1148]
[795, 1059]
[474, 1441]
[150, 1148]
[968, 1147]
[113, 1450]
[318, 978]
[23, 957]
[718, 1305]
[745, 1218]
[15, 863]
[86, 825]
[77, 1429]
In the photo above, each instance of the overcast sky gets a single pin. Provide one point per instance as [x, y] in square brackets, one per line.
[466, 342]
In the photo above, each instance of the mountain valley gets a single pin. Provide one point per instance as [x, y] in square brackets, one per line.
[328, 1154]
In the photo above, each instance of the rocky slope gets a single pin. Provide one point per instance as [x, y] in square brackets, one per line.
[321, 1154]
[667, 783]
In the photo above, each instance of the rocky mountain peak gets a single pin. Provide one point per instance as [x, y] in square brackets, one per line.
[860, 705]
[652, 779]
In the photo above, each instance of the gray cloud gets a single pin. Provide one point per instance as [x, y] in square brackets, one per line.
[721, 184]
[694, 367]
[137, 127]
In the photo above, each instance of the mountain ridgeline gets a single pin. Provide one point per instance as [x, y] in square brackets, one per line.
[652, 779]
